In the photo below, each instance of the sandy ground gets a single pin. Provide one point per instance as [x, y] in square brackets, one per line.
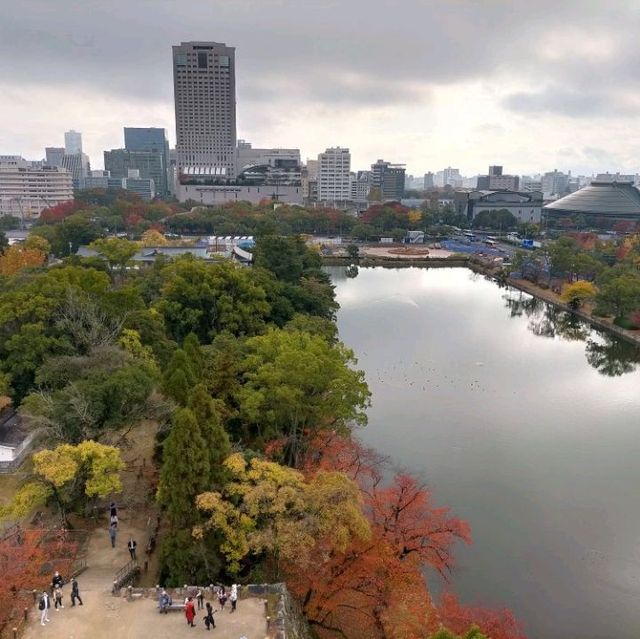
[106, 617]
[385, 252]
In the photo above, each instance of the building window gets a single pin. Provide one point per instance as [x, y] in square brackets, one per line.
[202, 60]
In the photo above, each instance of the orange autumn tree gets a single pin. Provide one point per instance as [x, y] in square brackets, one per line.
[376, 587]
[15, 258]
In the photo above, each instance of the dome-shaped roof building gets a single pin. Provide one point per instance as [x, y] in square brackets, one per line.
[609, 200]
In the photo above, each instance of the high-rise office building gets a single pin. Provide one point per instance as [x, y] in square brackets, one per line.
[389, 178]
[334, 176]
[205, 104]
[72, 142]
[78, 165]
[147, 151]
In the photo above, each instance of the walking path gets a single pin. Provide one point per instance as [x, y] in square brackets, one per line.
[104, 616]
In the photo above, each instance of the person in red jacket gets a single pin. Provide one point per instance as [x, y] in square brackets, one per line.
[190, 612]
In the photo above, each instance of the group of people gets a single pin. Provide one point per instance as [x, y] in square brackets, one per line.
[113, 531]
[190, 607]
[44, 603]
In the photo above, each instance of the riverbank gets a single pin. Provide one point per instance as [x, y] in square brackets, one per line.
[604, 323]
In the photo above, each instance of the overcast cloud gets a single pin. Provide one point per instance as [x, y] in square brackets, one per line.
[532, 85]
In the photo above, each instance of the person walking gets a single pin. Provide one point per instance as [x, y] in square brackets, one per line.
[43, 606]
[57, 598]
[233, 597]
[56, 581]
[222, 598]
[208, 619]
[113, 530]
[200, 599]
[190, 612]
[132, 545]
[75, 592]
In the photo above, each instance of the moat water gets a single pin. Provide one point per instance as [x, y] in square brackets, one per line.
[526, 423]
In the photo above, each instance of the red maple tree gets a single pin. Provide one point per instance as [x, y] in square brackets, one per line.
[28, 559]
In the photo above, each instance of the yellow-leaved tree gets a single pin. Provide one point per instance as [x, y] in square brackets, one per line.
[72, 475]
[577, 293]
[273, 510]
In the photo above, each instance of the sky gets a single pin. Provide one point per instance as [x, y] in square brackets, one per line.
[533, 85]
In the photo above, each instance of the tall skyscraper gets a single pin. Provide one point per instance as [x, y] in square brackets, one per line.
[72, 142]
[205, 103]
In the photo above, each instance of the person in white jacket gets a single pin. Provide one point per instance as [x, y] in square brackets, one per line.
[233, 597]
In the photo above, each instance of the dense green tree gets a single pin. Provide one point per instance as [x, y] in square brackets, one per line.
[206, 298]
[116, 251]
[4, 242]
[191, 347]
[24, 352]
[82, 397]
[296, 383]
[185, 468]
[179, 378]
[185, 473]
[619, 295]
[208, 415]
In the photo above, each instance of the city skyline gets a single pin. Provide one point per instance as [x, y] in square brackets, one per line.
[532, 87]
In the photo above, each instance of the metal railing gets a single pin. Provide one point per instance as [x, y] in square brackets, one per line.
[126, 574]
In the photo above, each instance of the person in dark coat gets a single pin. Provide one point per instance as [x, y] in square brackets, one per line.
[132, 545]
[75, 592]
[208, 619]
[56, 581]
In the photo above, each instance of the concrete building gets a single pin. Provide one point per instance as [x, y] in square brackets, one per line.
[525, 206]
[213, 194]
[205, 108]
[27, 188]
[496, 180]
[554, 183]
[248, 156]
[309, 179]
[428, 181]
[150, 140]
[72, 142]
[360, 187]
[389, 178]
[334, 176]
[149, 165]
[54, 155]
[144, 187]
[451, 177]
[617, 177]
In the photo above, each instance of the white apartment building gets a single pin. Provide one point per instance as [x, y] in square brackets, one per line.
[334, 176]
[205, 104]
[27, 188]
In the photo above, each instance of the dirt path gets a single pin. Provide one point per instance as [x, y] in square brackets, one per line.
[106, 617]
